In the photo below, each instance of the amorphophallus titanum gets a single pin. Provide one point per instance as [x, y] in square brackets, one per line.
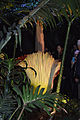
[45, 66]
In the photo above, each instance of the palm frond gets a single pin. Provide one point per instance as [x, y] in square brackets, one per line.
[68, 8]
[36, 99]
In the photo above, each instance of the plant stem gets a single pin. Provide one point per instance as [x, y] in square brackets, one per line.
[62, 65]
[52, 117]
[14, 113]
[63, 58]
[21, 113]
[14, 52]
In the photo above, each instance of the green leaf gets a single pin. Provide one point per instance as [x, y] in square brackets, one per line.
[1, 34]
[63, 11]
[31, 93]
[32, 106]
[49, 100]
[73, 7]
[24, 93]
[46, 109]
[42, 105]
[27, 92]
[28, 109]
[37, 104]
[41, 92]
[24, 76]
[18, 101]
[19, 32]
[16, 38]
[49, 103]
[52, 23]
[36, 92]
[18, 91]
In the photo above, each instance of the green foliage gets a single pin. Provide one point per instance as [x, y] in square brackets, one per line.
[32, 100]
[44, 10]
[7, 106]
[10, 74]
[25, 98]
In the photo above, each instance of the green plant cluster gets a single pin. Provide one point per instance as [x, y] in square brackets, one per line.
[17, 95]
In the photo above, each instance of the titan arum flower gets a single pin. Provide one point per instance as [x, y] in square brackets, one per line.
[45, 66]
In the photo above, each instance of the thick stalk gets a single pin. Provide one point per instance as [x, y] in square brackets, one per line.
[21, 113]
[63, 58]
[62, 65]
